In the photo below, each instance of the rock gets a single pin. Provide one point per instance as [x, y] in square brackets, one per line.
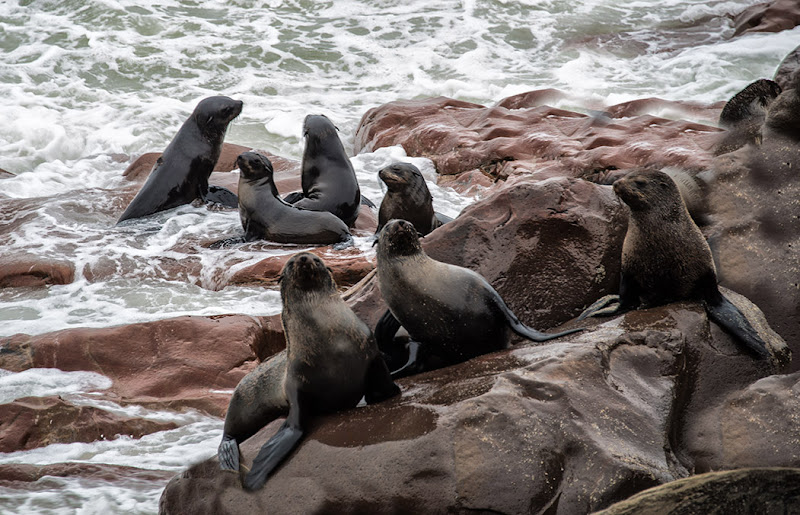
[174, 363]
[775, 16]
[33, 422]
[537, 139]
[6, 175]
[348, 267]
[29, 270]
[570, 426]
[756, 490]
[13, 476]
[786, 69]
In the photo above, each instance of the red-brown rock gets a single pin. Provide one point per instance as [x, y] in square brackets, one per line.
[33, 422]
[174, 363]
[13, 476]
[29, 270]
[775, 16]
[348, 267]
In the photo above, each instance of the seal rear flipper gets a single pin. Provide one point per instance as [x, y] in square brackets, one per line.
[221, 196]
[379, 384]
[228, 453]
[367, 202]
[627, 300]
[385, 330]
[415, 363]
[729, 318]
[346, 242]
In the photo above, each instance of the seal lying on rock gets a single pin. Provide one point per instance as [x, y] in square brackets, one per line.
[266, 216]
[328, 179]
[181, 174]
[331, 361]
[666, 259]
[452, 312]
[408, 199]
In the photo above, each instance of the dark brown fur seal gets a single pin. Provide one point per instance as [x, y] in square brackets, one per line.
[331, 361]
[328, 179]
[666, 259]
[452, 312]
[181, 174]
[265, 216]
[408, 198]
[744, 114]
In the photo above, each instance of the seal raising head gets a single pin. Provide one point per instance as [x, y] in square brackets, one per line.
[408, 198]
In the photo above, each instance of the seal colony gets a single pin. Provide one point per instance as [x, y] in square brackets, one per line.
[666, 259]
[331, 361]
[181, 174]
[453, 313]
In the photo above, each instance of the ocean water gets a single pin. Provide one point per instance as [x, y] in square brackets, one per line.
[83, 80]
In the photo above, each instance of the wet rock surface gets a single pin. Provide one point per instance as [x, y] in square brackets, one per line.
[774, 16]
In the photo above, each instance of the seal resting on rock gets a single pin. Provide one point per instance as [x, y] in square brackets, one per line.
[266, 216]
[328, 179]
[181, 174]
[743, 115]
[452, 313]
[408, 198]
[666, 259]
[331, 361]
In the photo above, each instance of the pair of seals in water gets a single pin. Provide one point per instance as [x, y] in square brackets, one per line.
[666, 259]
[265, 215]
[408, 198]
[331, 361]
[452, 313]
[328, 179]
[181, 173]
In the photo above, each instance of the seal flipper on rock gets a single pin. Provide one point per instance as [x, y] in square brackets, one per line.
[282, 443]
[221, 196]
[378, 383]
[228, 453]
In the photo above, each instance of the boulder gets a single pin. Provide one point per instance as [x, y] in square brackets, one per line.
[184, 362]
[775, 16]
[786, 69]
[756, 490]
[348, 267]
[31, 271]
[570, 426]
[33, 422]
[17, 475]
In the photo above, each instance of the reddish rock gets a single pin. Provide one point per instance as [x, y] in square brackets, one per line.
[33, 422]
[562, 427]
[6, 175]
[499, 142]
[176, 363]
[12, 476]
[775, 16]
[786, 69]
[29, 270]
[348, 267]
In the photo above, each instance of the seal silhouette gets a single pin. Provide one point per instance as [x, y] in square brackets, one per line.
[331, 361]
[327, 177]
[666, 259]
[265, 215]
[181, 174]
[408, 198]
[452, 313]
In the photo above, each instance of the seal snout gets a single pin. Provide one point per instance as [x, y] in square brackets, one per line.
[253, 165]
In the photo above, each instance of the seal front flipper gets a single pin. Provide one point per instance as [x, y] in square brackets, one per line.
[228, 453]
[293, 197]
[379, 384]
[414, 364]
[221, 196]
[725, 314]
[627, 300]
[385, 330]
[280, 445]
[346, 242]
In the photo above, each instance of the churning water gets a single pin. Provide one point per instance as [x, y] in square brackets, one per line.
[83, 80]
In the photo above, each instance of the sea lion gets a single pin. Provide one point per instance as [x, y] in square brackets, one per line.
[331, 361]
[666, 259]
[407, 198]
[744, 114]
[452, 312]
[328, 179]
[266, 216]
[180, 175]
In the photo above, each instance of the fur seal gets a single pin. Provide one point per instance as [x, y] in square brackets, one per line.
[452, 312]
[744, 114]
[666, 259]
[407, 198]
[180, 175]
[331, 361]
[328, 179]
[266, 216]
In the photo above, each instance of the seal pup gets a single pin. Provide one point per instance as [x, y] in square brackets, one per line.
[181, 174]
[408, 198]
[666, 259]
[331, 361]
[327, 176]
[452, 312]
[266, 216]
